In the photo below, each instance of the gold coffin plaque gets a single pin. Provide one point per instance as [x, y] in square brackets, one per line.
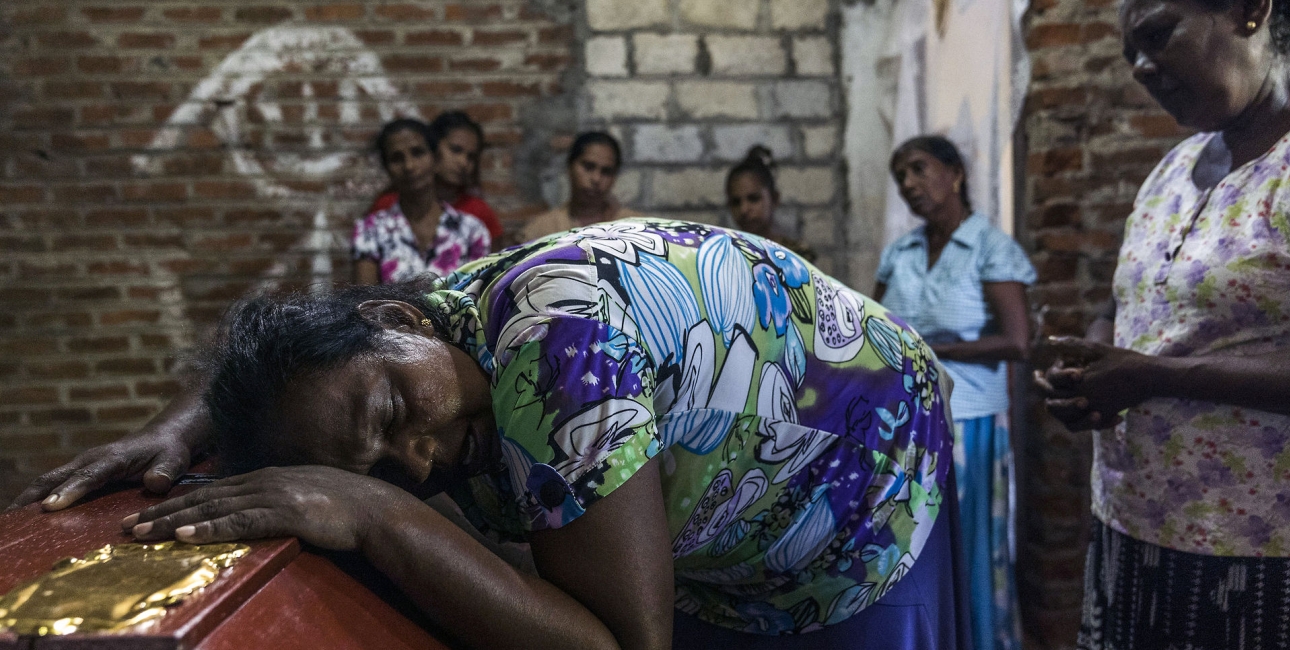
[113, 588]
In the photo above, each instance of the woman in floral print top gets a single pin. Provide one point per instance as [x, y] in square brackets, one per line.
[1191, 473]
[706, 441]
[417, 233]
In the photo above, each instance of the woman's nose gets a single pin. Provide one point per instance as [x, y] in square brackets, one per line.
[1144, 68]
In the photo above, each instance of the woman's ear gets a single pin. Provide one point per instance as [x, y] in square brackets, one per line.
[1255, 12]
[395, 315]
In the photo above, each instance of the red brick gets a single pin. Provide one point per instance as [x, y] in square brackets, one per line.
[84, 243]
[126, 367]
[29, 395]
[474, 65]
[61, 370]
[81, 142]
[129, 316]
[146, 41]
[433, 37]
[503, 37]
[66, 40]
[112, 14]
[510, 89]
[547, 61]
[372, 37]
[36, 270]
[555, 35]
[334, 12]
[262, 14]
[132, 90]
[99, 344]
[10, 194]
[474, 12]
[222, 190]
[20, 295]
[57, 416]
[203, 14]
[39, 16]
[1045, 36]
[222, 41]
[154, 192]
[28, 441]
[98, 393]
[1056, 160]
[116, 217]
[412, 63]
[88, 293]
[153, 241]
[42, 66]
[406, 12]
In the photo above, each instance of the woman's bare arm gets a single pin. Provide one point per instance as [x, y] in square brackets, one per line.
[1008, 302]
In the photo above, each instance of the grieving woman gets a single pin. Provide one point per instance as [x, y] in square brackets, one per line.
[705, 441]
[593, 165]
[961, 283]
[1189, 378]
[418, 233]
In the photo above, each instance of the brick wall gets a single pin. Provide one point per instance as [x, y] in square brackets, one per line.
[161, 158]
[690, 85]
[1092, 135]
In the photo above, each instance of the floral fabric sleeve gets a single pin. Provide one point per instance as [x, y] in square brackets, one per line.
[574, 406]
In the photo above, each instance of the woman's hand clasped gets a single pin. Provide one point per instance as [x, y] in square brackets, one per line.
[323, 506]
[1090, 383]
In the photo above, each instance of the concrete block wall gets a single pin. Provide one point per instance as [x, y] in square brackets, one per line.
[160, 158]
[688, 86]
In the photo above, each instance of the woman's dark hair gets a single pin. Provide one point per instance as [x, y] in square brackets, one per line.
[589, 138]
[266, 342]
[449, 121]
[402, 124]
[941, 149]
[760, 163]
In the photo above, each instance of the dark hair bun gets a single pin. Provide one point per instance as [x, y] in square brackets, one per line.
[761, 155]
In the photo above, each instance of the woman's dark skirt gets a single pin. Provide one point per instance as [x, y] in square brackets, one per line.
[1142, 596]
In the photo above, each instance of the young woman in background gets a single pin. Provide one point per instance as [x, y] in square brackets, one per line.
[594, 162]
[458, 141]
[752, 198]
[417, 233]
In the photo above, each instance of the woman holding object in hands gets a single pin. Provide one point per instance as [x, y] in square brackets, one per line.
[1191, 385]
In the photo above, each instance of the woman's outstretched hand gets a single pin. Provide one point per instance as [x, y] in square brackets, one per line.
[1088, 384]
[157, 458]
[323, 506]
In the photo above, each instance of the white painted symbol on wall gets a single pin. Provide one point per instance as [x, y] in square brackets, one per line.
[309, 57]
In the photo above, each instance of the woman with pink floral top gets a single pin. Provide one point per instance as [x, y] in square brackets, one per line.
[1189, 378]
[418, 233]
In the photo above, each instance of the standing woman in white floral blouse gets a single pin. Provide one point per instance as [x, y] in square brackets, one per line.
[418, 233]
[1189, 380]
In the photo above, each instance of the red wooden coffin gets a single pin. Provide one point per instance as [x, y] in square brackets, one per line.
[277, 596]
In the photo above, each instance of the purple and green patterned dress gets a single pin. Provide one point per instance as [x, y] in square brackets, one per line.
[804, 434]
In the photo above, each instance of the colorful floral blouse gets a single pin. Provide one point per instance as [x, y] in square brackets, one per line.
[1203, 273]
[804, 442]
[386, 237]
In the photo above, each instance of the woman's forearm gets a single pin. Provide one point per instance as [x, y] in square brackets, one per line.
[987, 349]
[1257, 382]
[470, 592]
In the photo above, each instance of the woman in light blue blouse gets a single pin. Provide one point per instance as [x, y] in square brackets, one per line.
[961, 283]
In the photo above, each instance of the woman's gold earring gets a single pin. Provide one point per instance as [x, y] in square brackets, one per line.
[1252, 26]
[425, 322]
